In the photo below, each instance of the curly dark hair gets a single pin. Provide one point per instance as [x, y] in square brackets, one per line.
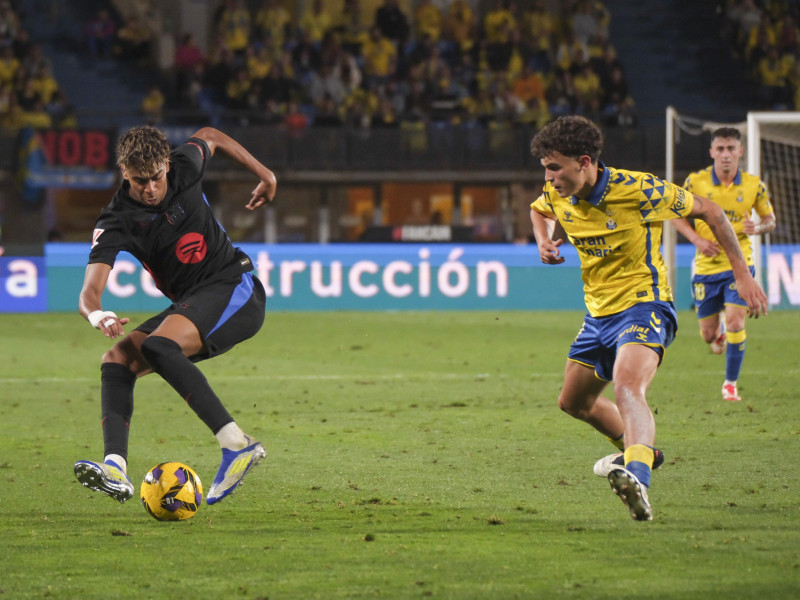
[143, 149]
[572, 136]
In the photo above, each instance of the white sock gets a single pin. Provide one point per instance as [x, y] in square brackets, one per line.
[232, 437]
[117, 460]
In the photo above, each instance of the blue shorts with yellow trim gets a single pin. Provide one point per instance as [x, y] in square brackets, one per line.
[652, 324]
[712, 292]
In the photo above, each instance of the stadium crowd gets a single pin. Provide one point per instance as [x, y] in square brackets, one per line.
[518, 63]
[30, 95]
[327, 67]
[764, 36]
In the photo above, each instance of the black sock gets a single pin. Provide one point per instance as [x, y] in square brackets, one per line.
[167, 359]
[116, 406]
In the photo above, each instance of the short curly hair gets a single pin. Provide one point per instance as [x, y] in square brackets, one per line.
[143, 149]
[572, 136]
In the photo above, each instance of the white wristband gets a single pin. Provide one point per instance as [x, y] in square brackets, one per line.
[96, 317]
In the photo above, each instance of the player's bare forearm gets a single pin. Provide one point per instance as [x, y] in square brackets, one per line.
[707, 247]
[217, 140]
[548, 248]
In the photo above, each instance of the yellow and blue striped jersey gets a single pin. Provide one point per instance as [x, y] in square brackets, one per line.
[745, 193]
[617, 233]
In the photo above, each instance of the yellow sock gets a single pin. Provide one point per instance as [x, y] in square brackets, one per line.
[639, 461]
[639, 453]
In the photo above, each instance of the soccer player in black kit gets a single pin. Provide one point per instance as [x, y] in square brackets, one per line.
[160, 215]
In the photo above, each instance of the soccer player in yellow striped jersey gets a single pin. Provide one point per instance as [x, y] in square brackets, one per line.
[614, 218]
[713, 285]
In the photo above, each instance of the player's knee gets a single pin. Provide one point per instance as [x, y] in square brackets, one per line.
[573, 409]
[119, 355]
[157, 350]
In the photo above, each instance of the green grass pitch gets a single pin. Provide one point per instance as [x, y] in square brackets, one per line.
[411, 455]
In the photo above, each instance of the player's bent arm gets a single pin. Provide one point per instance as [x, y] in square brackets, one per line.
[715, 218]
[707, 247]
[543, 226]
[217, 140]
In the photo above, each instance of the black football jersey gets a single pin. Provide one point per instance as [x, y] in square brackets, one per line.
[178, 241]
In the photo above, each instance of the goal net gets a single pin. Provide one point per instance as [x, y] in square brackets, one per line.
[772, 152]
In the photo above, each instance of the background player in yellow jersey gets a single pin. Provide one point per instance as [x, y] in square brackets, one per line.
[614, 219]
[714, 287]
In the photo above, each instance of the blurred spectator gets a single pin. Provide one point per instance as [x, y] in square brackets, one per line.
[589, 19]
[746, 16]
[153, 106]
[258, 62]
[325, 84]
[9, 66]
[100, 33]
[348, 72]
[498, 23]
[535, 113]
[233, 25]
[350, 27]
[392, 21]
[528, 85]
[315, 22]
[188, 54]
[44, 83]
[588, 91]
[380, 57]
[187, 58]
[274, 21]
[305, 58]
[571, 53]
[133, 41]
[459, 26]
[561, 94]
[238, 89]
[615, 89]
[427, 20]
[537, 20]
[773, 73]
[761, 38]
[295, 120]
[446, 96]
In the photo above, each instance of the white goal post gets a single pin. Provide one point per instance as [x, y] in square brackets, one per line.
[772, 143]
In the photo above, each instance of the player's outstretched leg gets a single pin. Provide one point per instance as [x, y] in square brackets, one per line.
[106, 478]
[632, 492]
[235, 465]
[603, 466]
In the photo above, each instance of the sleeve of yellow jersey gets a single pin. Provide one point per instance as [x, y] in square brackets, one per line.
[674, 203]
[763, 205]
[542, 206]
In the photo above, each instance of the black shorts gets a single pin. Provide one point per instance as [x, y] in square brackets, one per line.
[224, 313]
